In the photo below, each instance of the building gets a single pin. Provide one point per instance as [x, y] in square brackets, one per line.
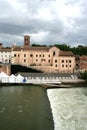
[46, 59]
[81, 63]
[5, 54]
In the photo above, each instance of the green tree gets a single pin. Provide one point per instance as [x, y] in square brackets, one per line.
[84, 75]
[63, 47]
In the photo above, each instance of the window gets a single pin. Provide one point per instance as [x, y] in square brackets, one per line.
[69, 65]
[43, 55]
[55, 61]
[66, 61]
[24, 60]
[18, 55]
[69, 61]
[31, 55]
[14, 55]
[24, 55]
[36, 59]
[43, 60]
[77, 58]
[48, 55]
[26, 43]
[56, 65]
[36, 55]
[62, 61]
[62, 65]
[54, 53]
[66, 65]
[48, 60]
[39, 55]
[6, 61]
[26, 39]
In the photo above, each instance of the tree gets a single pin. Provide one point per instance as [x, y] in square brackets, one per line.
[84, 75]
[63, 47]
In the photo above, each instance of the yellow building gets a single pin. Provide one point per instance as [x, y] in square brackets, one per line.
[47, 59]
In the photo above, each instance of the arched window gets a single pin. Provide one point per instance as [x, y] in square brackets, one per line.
[54, 53]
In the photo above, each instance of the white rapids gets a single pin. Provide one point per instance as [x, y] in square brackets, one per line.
[69, 108]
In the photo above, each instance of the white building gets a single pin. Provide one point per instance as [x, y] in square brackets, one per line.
[5, 54]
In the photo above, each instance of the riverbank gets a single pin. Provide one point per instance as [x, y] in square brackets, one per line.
[68, 84]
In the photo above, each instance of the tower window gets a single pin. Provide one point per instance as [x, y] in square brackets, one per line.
[26, 43]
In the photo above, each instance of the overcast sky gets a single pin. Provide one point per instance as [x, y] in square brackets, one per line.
[46, 21]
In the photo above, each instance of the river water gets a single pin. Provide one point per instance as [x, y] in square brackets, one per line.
[69, 108]
[29, 108]
[25, 108]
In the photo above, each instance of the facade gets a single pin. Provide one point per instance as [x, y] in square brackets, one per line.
[46, 59]
[5, 54]
[81, 62]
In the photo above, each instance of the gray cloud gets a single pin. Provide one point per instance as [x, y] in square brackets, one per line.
[43, 21]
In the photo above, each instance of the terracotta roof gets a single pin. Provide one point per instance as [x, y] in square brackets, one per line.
[26, 48]
[5, 50]
[17, 48]
[66, 53]
[39, 48]
[84, 58]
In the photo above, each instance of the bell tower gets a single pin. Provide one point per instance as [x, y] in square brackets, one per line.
[26, 41]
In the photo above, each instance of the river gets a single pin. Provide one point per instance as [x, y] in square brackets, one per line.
[69, 108]
[25, 108]
[29, 108]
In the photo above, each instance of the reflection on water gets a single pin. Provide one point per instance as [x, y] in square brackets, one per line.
[25, 108]
[69, 107]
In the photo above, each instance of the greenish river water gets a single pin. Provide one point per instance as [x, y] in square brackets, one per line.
[34, 108]
[25, 108]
